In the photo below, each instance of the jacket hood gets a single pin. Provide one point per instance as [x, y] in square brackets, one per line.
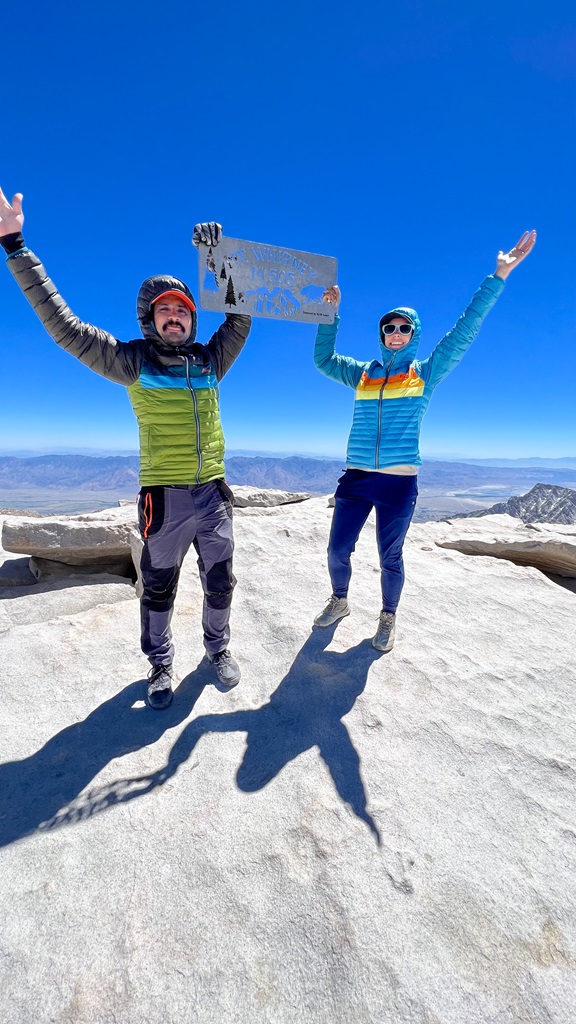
[150, 289]
[402, 357]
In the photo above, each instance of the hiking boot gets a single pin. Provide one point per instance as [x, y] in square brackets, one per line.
[227, 669]
[159, 691]
[336, 608]
[384, 639]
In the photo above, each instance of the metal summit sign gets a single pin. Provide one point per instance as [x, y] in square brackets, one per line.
[265, 280]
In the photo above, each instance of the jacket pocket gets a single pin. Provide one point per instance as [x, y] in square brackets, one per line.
[151, 510]
[226, 493]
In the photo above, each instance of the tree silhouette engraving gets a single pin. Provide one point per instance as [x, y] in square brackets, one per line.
[230, 299]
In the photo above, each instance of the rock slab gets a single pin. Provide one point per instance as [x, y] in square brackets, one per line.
[258, 497]
[548, 547]
[76, 540]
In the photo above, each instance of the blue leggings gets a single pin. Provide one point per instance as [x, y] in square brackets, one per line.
[394, 498]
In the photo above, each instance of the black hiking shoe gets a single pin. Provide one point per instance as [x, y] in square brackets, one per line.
[159, 691]
[227, 669]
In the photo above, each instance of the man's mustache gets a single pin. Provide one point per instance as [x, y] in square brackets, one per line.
[175, 323]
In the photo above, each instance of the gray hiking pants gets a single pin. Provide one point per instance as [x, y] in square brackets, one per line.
[170, 520]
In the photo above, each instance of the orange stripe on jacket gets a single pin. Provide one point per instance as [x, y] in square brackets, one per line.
[399, 380]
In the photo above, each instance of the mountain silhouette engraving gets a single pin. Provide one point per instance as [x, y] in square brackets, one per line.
[280, 301]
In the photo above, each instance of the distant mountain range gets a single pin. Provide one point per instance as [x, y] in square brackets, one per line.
[296, 473]
[564, 463]
[543, 504]
[70, 472]
[320, 476]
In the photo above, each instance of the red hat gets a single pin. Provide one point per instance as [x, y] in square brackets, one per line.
[173, 293]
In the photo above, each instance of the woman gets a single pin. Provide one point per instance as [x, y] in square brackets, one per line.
[382, 459]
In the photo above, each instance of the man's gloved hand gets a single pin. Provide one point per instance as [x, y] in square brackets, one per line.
[209, 234]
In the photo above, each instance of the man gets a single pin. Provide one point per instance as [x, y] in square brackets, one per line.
[383, 455]
[172, 383]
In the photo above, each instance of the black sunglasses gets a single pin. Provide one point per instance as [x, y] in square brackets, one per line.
[401, 328]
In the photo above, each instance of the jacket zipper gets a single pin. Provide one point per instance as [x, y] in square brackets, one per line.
[196, 417]
[389, 367]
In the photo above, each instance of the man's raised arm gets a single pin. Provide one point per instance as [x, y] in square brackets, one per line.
[228, 341]
[96, 348]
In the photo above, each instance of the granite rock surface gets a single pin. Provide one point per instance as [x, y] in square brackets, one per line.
[259, 497]
[345, 838]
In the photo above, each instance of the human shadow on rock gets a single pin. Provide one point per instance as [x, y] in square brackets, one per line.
[37, 791]
[306, 710]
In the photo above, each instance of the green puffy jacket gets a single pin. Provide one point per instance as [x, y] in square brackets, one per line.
[173, 390]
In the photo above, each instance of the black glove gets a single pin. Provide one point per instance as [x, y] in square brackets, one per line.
[11, 243]
[209, 234]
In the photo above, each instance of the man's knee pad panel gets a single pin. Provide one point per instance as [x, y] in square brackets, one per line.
[220, 583]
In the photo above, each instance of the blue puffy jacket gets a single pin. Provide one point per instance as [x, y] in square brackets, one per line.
[392, 396]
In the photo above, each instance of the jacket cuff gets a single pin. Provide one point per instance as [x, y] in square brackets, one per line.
[498, 281]
[12, 243]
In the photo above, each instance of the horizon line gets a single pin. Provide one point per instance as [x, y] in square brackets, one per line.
[277, 453]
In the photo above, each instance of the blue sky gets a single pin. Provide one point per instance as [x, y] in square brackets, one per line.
[411, 140]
